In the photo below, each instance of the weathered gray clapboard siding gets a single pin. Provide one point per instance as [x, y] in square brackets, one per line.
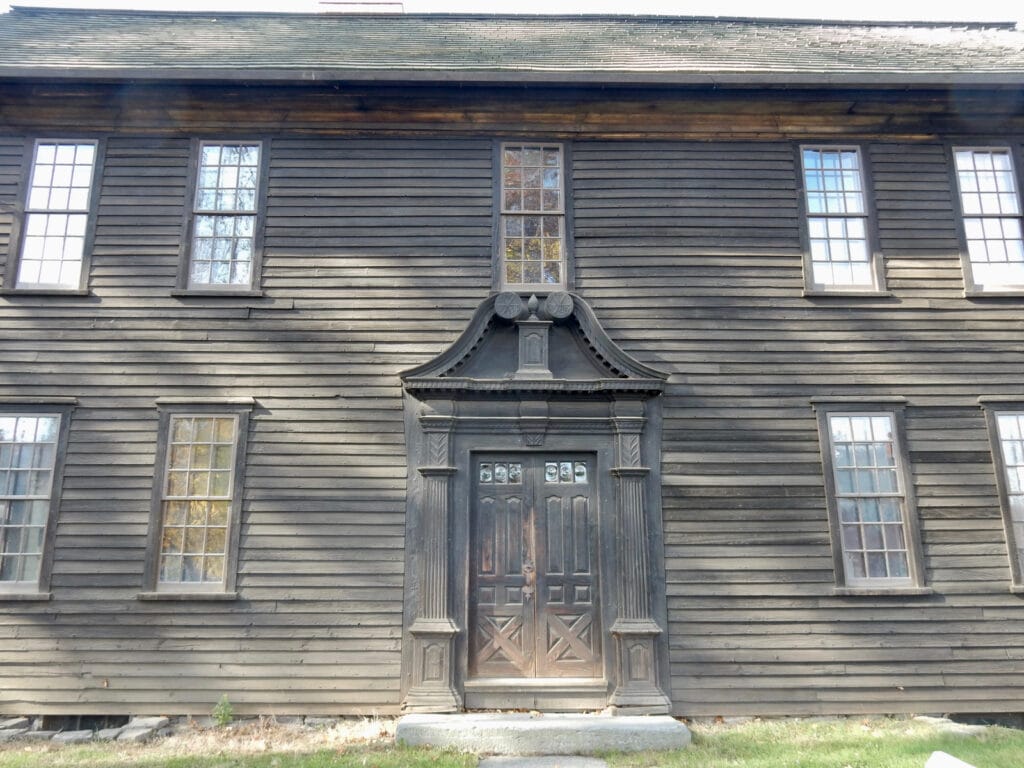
[12, 156]
[318, 624]
[377, 252]
[708, 242]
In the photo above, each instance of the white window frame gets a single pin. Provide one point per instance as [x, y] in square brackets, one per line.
[237, 410]
[197, 212]
[970, 267]
[831, 220]
[48, 213]
[846, 581]
[1011, 500]
[61, 411]
[505, 213]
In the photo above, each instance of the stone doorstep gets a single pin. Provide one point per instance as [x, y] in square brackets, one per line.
[547, 735]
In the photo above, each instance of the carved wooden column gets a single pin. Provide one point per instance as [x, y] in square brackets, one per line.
[638, 688]
[433, 631]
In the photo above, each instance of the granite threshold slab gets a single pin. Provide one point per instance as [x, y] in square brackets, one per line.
[542, 734]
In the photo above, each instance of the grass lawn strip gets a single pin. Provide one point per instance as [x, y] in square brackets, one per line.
[842, 743]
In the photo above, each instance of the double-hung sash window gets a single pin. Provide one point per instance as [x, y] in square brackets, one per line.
[224, 227]
[57, 209]
[840, 253]
[28, 464]
[875, 536]
[197, 505]
[1008, 434]
[533, 242]
[991, 211]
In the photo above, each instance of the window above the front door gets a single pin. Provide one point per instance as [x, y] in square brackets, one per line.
[532, 245]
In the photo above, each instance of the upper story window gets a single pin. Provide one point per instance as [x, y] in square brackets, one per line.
[57, 206]
[992, 219]
[224, 226]
[31, 444]
[533, 242]
[840, 256]
[875, 536]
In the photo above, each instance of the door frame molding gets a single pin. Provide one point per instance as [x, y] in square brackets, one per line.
[615, 415]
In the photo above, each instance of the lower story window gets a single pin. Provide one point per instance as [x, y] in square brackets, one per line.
[869, 503]
[29, 449]
[1009, 432]
[197, 509]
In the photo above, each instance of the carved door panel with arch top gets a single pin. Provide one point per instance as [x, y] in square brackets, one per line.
[533, 574]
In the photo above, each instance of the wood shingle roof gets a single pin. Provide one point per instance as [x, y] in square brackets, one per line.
[61, 43]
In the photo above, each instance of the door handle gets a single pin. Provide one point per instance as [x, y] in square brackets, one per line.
[530, 574]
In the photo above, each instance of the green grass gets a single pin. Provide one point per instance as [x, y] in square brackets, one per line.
[849, 743]
[852, 743]
[110, 756]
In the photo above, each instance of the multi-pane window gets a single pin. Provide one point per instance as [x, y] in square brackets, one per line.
[28, 454]
[869, 500]
[225, 210]
[532, 217]
[56, 215]
[840, 253]
[1010, 433]
[196, 504]
[992, 217]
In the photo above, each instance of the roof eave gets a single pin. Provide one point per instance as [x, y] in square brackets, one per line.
[731, 79]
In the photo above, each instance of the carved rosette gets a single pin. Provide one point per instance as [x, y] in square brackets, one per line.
[635, 630]
[433, 631]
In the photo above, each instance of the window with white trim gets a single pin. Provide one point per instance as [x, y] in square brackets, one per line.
[533, 242]
[876, 544]
[1010, 435]
[57, 207]
[990, 205]
[840, 254]
[224, 224]
[28, 458]
[198, 501]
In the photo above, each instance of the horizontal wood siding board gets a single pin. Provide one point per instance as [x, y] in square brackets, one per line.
[378, 248]
[714, 297]
[396, 222]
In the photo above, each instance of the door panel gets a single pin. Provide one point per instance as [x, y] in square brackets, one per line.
[533, 591]
[503, 628]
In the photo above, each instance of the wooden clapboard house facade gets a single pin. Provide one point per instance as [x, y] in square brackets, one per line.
[358, 363]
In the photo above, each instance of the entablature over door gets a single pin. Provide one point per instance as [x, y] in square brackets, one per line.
[533, 346]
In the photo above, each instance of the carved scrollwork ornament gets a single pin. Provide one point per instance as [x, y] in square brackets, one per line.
[558, 305]
[508, 305]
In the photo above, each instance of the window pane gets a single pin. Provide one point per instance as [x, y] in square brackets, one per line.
[869, 501]
[225, 203]
[988, 189]
[532, 184]
[28, 450]
[57, 208]
[1010, 430]
[195, 525]
[838, 240]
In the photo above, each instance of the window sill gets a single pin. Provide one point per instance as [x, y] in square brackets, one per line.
[25, 597]
[819, 293]
[45, 292]
[882, 591]
[1017, 589]
[188, 596]
[196, 293]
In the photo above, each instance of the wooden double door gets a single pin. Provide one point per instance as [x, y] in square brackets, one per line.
[533, 605]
